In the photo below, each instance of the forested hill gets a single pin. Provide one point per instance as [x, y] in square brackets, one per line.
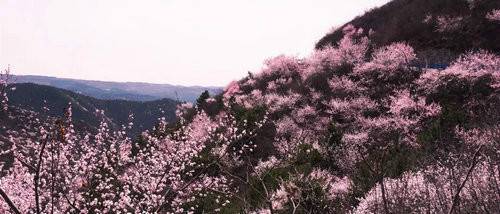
[434, 28]
[355, 127]
[51, 101]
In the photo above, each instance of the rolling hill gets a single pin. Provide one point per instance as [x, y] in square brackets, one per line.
[134, 91]
[35, 97]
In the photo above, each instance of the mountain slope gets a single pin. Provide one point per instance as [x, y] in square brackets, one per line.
[134, 91]
[418, 23]
[35, 97]
[353, 128]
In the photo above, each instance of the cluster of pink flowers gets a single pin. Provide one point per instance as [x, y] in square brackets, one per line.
[353, 46]
[476, 63]
[264, 166]
[231, 89]
[481, 137]
[494, 15]
[282, 65]
[403, 105]
[75, 173]
[406, 113]
[469, 67]
[389, 61]
[292, 193]
[334, 186]
[432, 191]
[351, 49]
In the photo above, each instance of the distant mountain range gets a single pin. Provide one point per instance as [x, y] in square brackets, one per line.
[133, 91]
[35, 97]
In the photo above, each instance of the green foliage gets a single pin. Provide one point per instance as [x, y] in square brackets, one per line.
[251, 116]
[201, 101]
[313, 198]
[207, 161]
[139, 144]
[395, 161]
[334, 139]
[307, 157]
[270, 181]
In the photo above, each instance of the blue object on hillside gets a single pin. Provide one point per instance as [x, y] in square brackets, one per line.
[438, 66]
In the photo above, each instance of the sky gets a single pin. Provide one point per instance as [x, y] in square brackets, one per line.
[182, 42]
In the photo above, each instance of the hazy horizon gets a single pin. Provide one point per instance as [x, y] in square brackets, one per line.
[174, 42]
[112, 81]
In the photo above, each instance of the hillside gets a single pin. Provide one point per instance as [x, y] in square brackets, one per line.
[359, 127]
[435, 29]
[133, 91]
[35, 97]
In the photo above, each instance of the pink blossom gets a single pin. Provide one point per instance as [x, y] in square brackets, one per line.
[281, 65]
[432, 191]
[476, 62]
[290, 193]
[232, 89]
[210, 100]
[351, 49]
[284, 194]
[494, 15]
[388, 59]
[277, 102]
[468, 67]
[404, 105]
[17, 185]
[302, 114]
[488, 136]
[327, 58]
[263, 166]
[335, 187]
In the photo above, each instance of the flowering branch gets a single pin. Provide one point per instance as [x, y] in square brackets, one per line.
[9, 202]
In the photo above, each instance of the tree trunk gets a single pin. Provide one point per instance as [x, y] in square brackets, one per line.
[37, 177]
[456, 198]
[384, 198]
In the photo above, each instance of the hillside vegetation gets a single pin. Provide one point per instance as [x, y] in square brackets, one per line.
[439, 30]
[52, 101]
[356, 127]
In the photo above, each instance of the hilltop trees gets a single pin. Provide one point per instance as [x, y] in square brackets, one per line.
[455, 26]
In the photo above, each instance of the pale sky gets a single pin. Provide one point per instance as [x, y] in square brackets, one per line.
[184, 42]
